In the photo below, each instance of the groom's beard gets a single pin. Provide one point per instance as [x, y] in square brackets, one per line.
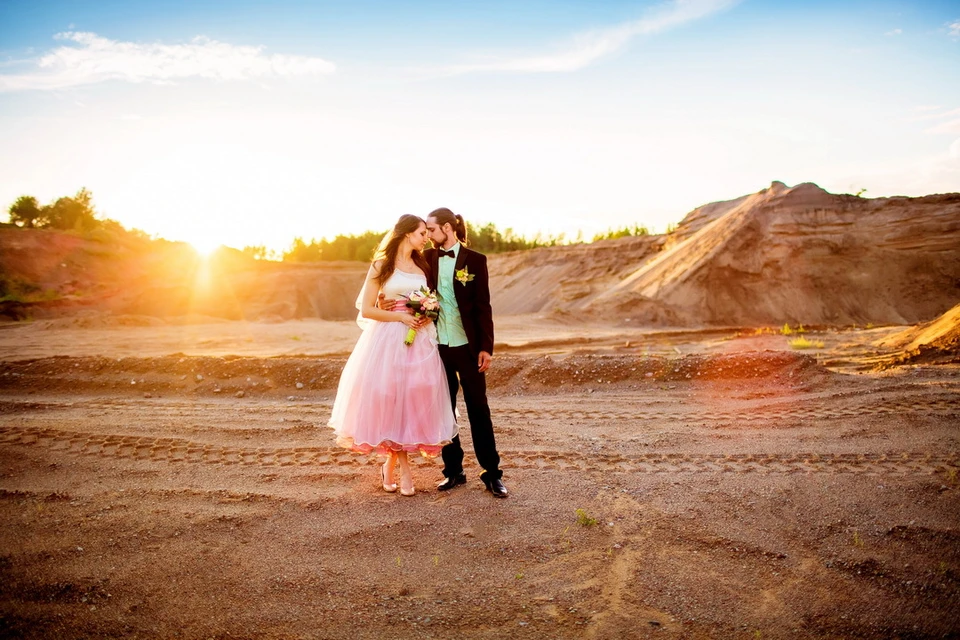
[442, 243]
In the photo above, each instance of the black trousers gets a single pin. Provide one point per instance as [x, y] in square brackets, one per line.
[461, 368]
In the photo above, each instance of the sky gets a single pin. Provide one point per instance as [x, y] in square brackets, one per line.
[248, 123]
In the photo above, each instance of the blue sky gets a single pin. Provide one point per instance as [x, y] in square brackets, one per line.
[243, 123]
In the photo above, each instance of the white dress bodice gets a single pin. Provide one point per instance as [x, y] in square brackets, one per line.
[401, 283]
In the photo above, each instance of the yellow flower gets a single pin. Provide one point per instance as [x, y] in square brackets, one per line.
[463, 276]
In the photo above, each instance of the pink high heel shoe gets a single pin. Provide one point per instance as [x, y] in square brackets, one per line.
[389, 488]
[403, 490]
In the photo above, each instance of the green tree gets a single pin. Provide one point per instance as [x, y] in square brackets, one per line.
[300, 251]
[72, 213]
[342, 247]
[258, 252]
[26, 212]
[623, 232]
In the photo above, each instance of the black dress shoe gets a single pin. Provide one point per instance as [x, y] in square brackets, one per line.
[452, 481]
[496, 487]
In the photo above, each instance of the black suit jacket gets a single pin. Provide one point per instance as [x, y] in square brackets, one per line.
[473, 297]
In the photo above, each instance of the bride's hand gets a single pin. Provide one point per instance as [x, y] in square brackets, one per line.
[409, 319]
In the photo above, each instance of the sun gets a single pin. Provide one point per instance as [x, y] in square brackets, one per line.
[204, 246]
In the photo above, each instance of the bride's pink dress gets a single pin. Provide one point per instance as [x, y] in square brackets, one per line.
[394, 397]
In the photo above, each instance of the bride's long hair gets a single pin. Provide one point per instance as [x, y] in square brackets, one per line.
[390, 246]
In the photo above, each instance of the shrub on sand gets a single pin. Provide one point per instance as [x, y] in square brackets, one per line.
[803, 343]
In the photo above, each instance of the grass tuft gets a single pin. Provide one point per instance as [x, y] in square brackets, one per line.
[584, 519]
[803, 343]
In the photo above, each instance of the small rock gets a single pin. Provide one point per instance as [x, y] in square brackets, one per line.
[199, 378]
[299, 385]
[240, 394]
[148, 395]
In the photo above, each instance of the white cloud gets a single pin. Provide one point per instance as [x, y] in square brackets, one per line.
[954, 29]
[954, 151]
[951, 126]
[949, 121]
[894, 32]
[99, 59]
[931, 113]
[589, 47]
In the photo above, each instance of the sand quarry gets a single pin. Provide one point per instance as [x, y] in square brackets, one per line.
[676, 468]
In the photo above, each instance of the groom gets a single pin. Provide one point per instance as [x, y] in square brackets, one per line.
[465, 336]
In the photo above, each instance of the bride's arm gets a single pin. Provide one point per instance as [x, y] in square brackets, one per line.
[368, 302]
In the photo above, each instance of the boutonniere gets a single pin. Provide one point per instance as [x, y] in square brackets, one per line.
[463, 276]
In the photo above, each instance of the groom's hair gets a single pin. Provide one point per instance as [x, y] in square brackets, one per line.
[444, 215]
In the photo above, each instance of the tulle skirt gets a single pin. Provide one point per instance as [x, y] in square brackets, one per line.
[394, 397]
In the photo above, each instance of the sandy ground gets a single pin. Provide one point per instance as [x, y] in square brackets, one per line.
[688, 484]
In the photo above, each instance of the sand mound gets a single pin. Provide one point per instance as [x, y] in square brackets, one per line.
[558, 278]
[936, 341]
[55, 274]
[782, 255]
[941, 332]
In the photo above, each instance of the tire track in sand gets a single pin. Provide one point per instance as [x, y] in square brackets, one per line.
[746, 414]
[179, 450]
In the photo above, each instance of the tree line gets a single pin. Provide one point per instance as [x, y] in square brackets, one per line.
[77, 213]
[65, 213]
[485, 238]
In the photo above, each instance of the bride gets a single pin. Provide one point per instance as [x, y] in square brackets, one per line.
[392, 398]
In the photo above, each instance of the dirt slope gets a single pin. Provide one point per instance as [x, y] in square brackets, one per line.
[937, 341]
[562, 277]
[797, 255]
[63, 273]
[803, 255]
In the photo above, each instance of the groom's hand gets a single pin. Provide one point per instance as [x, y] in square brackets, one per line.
[385, 303]
[484, 361]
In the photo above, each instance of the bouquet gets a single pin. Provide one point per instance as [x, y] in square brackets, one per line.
[425, 304]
